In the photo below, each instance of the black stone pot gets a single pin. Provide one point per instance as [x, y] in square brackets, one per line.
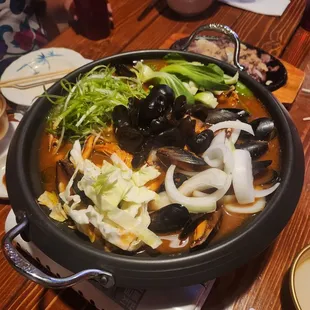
[67, 248]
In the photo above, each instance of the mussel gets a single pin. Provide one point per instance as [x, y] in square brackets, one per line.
[260, 166]
[202, 227]
[267, 177]
[123, 70]
[256, 148]
[134, 111]
[181, 158]
[199, 110]
[264, 129]
[129, 139]
[171, 137]
[120, 116]
[170, 218]
[160, 98]
[187, 127]
[222, 115]
[159, 125]
[140, 157]
[179, 107]
[200, 142]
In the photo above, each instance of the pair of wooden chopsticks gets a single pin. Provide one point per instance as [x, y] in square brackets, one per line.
[34, 80]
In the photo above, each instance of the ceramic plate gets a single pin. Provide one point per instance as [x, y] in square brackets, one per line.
[38, 62]
[4, 146]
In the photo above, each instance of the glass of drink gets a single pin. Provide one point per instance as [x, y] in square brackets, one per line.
[93, 18]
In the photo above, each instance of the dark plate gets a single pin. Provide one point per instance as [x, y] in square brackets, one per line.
[278, 78]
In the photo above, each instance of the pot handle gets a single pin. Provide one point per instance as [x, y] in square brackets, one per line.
[28, 270]
[218, 28]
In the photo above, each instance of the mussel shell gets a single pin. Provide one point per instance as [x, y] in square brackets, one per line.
[160, 98]
[199, 110]
[134, 111]
[241, 114]
[192, 224]
[267, 177]
[169, 219]
[159, 125]
[200, 142]
[140, 157]
[166, 91]
[171, 137]
[179, 107]
[256, 148]
[259, 166]
[264, 129]
[175, 155]
[129, 139]
[187, 127]
[222, 115]
[123, 70]
[120, 116]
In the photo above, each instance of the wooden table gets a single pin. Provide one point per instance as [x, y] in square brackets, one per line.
[263, 283]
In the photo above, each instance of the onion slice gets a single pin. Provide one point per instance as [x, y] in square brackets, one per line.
[234, 125]
[193, 204]
[210, 178]
[243, 177]
[219, 193]
[231, 205]
[217, 155]
[266, 192]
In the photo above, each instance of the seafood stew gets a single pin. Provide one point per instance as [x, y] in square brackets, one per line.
[160, 157]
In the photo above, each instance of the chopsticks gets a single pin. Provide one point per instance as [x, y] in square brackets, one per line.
[35, 80]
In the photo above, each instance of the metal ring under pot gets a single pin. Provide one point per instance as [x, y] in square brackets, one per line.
[24, 267]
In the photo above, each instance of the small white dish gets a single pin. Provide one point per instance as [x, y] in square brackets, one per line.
[38, 62]
[4, 147]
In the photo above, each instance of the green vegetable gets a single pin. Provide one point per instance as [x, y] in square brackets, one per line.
[207, 98]
[87, 107]
[229, 80]
[146, 74]
[243, 90]
[210, 77]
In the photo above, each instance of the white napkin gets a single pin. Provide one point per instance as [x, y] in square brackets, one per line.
[266, 7]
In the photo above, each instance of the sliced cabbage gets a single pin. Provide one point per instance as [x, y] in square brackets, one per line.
[129, 223]
[50, 200]
[159, 202]
[145, 174]
[139, 194]
[76, 156]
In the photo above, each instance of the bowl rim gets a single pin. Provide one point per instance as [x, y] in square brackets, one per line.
[228, 244]
[292, 275]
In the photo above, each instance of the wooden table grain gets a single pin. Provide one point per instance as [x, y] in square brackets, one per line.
[263, 282]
